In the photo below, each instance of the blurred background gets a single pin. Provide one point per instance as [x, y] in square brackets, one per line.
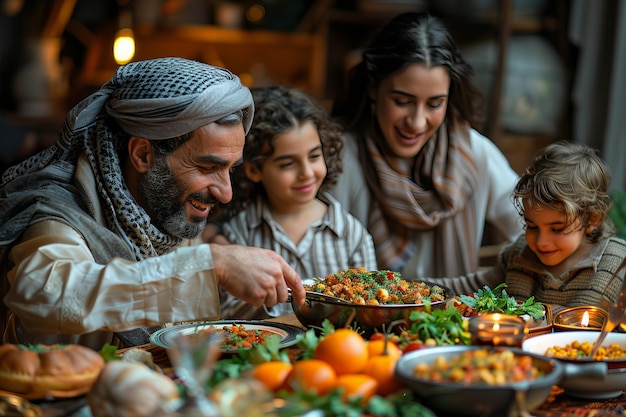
[549, 69]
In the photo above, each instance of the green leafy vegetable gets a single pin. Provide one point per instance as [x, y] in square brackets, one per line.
[109, 352]
[446, 327]
[617, 213]
[307, 342]
[243, 361]
[486, 300]
[402, 404]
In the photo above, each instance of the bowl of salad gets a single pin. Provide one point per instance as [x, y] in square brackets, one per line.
[537, 315]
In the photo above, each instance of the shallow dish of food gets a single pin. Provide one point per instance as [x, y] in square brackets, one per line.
[610, 386]
[237, 333]
[456, 393]
[386, 300]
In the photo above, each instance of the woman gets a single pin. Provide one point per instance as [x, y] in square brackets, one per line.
[415, 170]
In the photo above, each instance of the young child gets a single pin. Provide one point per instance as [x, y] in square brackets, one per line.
[568, 253]
[290, 158]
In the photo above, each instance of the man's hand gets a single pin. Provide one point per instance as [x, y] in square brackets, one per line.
[257, 276]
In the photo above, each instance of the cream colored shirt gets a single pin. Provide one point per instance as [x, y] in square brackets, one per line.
[58, 288]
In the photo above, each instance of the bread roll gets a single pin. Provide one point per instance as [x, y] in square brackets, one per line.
[131, 389]
[48, 369]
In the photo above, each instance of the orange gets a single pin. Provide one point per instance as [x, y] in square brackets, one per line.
[382, 369]
[272, 374]
[376, 348]
[357, 386]
[310, 375]
[345, 350]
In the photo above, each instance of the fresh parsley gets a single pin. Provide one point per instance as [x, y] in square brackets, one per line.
[445, 326]
[486, 300]
[401, 404]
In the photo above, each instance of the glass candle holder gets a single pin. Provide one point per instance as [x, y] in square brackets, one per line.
[497, 329]
[580, 318]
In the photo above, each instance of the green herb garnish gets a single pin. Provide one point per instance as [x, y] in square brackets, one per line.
[486, 300]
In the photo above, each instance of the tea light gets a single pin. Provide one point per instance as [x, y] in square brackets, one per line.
[580, 318]
[497, 329]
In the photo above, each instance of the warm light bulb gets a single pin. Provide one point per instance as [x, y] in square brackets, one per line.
[124, 46]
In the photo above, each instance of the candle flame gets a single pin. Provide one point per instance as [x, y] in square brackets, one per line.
[496, 327]
[584, 322]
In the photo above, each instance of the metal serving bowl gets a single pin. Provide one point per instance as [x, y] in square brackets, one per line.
[368, 318]
[610, 386]
[455, 399]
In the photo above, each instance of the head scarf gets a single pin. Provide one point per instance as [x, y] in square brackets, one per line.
[154, 99]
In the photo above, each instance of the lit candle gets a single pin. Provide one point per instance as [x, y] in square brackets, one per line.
[497, 330]
[584, 322]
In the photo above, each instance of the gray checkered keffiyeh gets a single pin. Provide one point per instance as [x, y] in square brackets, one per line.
[154, 99]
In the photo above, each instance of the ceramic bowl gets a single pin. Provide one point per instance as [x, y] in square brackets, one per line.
[459, 399]
[610, 386]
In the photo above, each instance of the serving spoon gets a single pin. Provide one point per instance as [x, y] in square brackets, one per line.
[616, 314]
[318, 296]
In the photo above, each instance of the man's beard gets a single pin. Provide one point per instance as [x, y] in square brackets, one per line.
[161, 194]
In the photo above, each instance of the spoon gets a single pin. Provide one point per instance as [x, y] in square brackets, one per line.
[615, 315]
[318, 296]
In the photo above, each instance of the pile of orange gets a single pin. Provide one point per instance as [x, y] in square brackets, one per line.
[342, 360]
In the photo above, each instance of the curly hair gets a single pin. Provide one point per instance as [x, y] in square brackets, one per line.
[571, 178]
[277, 110]
[407, 39]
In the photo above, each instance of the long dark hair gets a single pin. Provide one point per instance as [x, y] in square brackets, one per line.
[407, 39]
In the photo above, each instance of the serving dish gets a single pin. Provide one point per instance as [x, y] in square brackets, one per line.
[536, 327]
[288, 333]
[455, 399]
[610, 386]
[367, 318]
[15, 405]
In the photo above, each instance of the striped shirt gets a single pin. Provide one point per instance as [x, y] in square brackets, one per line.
[336, 242]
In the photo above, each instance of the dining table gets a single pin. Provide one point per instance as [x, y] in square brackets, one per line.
[558, 404]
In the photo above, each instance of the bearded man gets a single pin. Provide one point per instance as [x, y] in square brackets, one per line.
[100, 233]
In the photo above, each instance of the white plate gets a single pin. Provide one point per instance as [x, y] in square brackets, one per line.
[288, 333]
[611, 386]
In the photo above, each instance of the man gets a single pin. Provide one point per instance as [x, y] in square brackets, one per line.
[100, 232]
